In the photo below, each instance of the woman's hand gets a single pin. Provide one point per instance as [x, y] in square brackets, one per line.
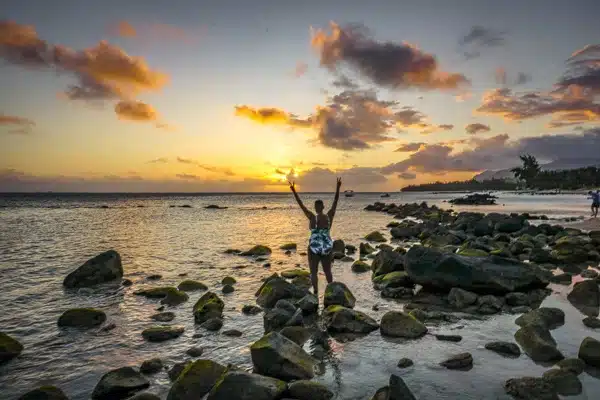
[292, 185]
[339, 182]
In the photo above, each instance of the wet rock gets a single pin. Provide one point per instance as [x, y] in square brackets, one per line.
[458, 361]
[537, 343]
[105, 267]
[540, 256]
[405, 363]
[585, 297]
[241, 385]
[276, 289]
[504, 348]
[44, 393]
[489, 304]
[207, 307]
[350, 249]
[460, 298]
[177, 369]
[232, 251]
[250, 309]
[303, 282]
[213, 324]
[387, 261]
[347, 259]
[433, 268]
[154, 277]
[573, 365]
[473, 253]
[282, 315]
[392, 280]
[228, 289]
[546, 317]
[589, 351]
[195, 351]
[309, 304]
[345, 320]
[400, 324]
[151, 366]
[365, 248]
[591, 322]
[297, 334]
[309, 390]
[515, 299]
[449, 338]
[126, 282]
[293, 273]
[376, 236]
[520, 310]
[277, 356]
[589, 274]
[564, 382]
[339, 246]
[119, 384]
[82, 318]
[396, 390]
[561, 279]
[337, 293]
[397, 293]
[233, 333]
[174, 298]
[433, 316]
[196, 380]
[288, 246]
[170, 295]
[360, 266]
[162, 333]
[164, 316]
[145, 396]
[228, 280]
[258, 250]
[529, 388]
[190, 286]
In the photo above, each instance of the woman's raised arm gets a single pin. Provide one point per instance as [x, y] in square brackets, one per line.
[331, 212]
[308, 214]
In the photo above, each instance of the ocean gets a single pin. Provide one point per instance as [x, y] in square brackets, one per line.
[43, 237]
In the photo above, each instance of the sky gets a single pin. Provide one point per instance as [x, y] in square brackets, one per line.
[228, 96]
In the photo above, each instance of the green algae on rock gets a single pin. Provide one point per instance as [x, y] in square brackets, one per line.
[258, 250]
[196, 380]
[190, 286]
[241, 385]
[277, 356]
[208, 306]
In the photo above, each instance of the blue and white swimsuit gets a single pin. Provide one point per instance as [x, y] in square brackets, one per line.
[320, 242]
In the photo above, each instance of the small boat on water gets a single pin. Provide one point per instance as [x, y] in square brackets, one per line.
[385, 195]
[349, 193]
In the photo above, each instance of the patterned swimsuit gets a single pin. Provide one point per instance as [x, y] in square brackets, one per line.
[320, 242]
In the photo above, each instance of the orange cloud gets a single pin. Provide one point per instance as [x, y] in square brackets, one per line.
[475, 128]
[270, 116]
[17, 125]
[135, 111]
[155, 31]
[301, 68]
[125, 29]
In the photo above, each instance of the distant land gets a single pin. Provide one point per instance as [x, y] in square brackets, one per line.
[557, 165]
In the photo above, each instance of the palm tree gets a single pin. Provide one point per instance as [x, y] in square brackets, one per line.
[529, 170]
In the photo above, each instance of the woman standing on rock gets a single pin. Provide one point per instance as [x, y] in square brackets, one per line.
[320, 244]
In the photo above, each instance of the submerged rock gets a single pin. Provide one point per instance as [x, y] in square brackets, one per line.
[564, 382]
[213, 324]
[191, 286]
[529, 388]
[119, 384]
[277, 356]
[82, 318]
[250, 309]
[337, 293]
[174, 298]
[458, 361]
[345, 320]
[405, 363]
[400, 324]
[546, 317]
[537, 343]
[208, 306]
[162, 333]
[164, 316]
[44, 393]
[293, 273]
[258, 250]
[449, 338]
[585, 297]
[309, 390]
[241, 385]
[504, 348]
[9, 348]
[151, 366]
[103, 268]
[196, 380]
[589, 351]
[170, 295]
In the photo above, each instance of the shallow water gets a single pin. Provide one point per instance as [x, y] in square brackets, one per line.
[43, 238]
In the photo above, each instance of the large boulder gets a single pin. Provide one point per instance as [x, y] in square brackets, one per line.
[537, 343]
[564, 382]
[490, 275]
[400, 324]
[277, 356]
[208, 306]
[338, 294]
[589, 351]
[394, 279]
[547, 317]
[82, 318]
[104, 267]
[119, 384]
[396, 390]
[241, 385]
[309, 304]
[276, 289]
[9, 348]
[283, 314]
[585, 297]
[196, 380]
[44, 393]
[387, 261]
[309, 390]
[345, 320]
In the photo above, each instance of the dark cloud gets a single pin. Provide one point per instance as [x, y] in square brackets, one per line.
[522, 78]
[16, 125]
[475, 128]
[407, 176]
[502, 78]
[387, 64]
[343, 82]
[583, 70]
[409, 147]
[478, 38]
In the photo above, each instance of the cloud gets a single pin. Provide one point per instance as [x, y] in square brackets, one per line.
[387, 64]
[17, 125]
[478, 38]
[323, 178]
[301, 68]
[522, 78]
[583, 70]
[407, 176]
[209, 168]
[428, 129]
[409, 147]
[477, 127]
[270, 116]
[161, 160]
[125, 29]
[155, 31]
[343, 82]
[502, 78]
[135, 111]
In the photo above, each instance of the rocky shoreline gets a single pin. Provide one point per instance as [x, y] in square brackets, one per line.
[443, 266]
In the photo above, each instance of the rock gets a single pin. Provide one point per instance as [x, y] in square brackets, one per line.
[258, 250]
[460, 298]
[196, 380]
[145, 396]
[280, 316]
[561, 279]
[365, 248]
[241, 385]
[509, 225]
[105, 267]
[520, 310]
[449, 338]
[489, 304]
[339, 246]
[504, 348]
[546, 317]
[433, 268]
[277, 356]
[387, 261]
[400, 324]
[337, 293]
[151, 366]
[44, 393]
[297, 334]
[233, 333]
[573, 365]
[250, 309]
[589, 274]
[154, 277]
[589, 351]
[232, 251]
[191, 286]
[529, 388]
[162, 333]
[394, 279]
[177, 369]
[309, 390]
[350, 249]
[309, 304]
[213, 324]
[347, 259]
[591, 322]
[405, 363]
[82, 318]
[276, 289]
[585, 297]
[516, 299]
[195, 351]
[397, 293]
[228, 289]
[303, 282]
[293, 273]
[170, 295]
[164, 316]
[228, 280]
[174, 298]
[207, 307]
[9, 348]
[119, 384]
[537, 343]
[288, 246]
[540, 256]
[345, 320]
[360, 266]
[564, 382]
[126, 282]
[473, 253]
[459, 361]
[376, 236]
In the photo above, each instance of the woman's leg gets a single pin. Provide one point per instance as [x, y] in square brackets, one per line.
[326, 261]
[313, 263]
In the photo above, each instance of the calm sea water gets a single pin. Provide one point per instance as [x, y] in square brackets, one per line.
[43, 238]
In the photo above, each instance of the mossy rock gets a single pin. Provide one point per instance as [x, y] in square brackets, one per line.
[250, 309]
[175, 298]
[288, 246]
[376, 236]
[151, 366]
[190, 286]
[337, 293]
[9, 348]
[207, 307]
[228, 289]
[119, 384]
[360, 266]
[105, 267]
[366, 248]
[303, 282]
[277, 356]
[82, 318]
[162, 333]
[473, 253]
[177, 369]
[196, 380]
[258, 250]
[393, 280]
[45, 393]
[240, 385]
[163, 316]
[297, 334]
[294, 273]
[537, 343]
[340, 319]
[400, 324]
[309, 390]
[228, 280]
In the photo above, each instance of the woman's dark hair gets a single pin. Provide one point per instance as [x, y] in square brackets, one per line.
[319, 203]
